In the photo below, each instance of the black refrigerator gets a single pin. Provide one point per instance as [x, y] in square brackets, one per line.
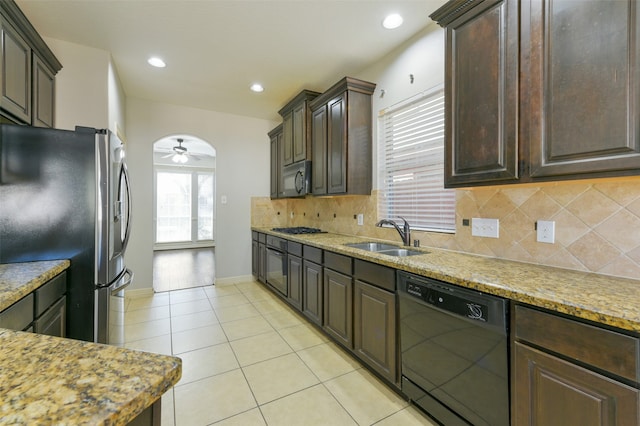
[65, 195]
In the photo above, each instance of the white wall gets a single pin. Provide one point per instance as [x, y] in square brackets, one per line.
[117, 100]
[242, 172]
[422, 56]
[82, 94]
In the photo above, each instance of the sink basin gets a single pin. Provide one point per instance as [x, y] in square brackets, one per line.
[388, 249]
[400, 252]
[372, 246]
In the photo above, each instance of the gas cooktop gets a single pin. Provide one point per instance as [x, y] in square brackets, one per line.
[299, 230]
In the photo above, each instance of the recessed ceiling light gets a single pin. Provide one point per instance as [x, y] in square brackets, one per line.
[392, 21]
[156, 62]
[257, 87]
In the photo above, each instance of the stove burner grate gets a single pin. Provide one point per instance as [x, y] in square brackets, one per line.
[299, 230]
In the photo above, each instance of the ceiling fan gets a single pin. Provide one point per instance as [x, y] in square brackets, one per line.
[180, 154]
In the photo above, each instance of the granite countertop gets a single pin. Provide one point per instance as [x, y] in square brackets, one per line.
[52, 380]
[601, 298]
[19, 279]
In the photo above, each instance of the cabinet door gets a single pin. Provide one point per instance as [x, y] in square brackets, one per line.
[287, 139]
[374, 313]
[312, 291]
[481, 90]
[319, 151]
[337, 145]
[254, 258]
[262, 263]
[276, 168]
[551, 391]
[299, 131]
[294, 295]
[338, 307]
[43, 94]
[53, 321]
[15, 67]
[584, 94]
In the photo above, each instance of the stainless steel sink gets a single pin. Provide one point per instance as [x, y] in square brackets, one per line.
[388, 249]
[372, 246]
[400, 252]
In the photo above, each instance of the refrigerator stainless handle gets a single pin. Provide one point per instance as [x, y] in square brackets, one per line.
[125, 281]
[124, 178]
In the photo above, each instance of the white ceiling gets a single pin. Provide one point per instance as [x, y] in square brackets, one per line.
[215, 49]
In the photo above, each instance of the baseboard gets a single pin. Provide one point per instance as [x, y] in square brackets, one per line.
[138, 292]
[221, 282]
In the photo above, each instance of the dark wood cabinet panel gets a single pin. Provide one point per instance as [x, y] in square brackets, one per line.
[375, 328]
[15, 66]
[482, 95]
[583, 92]
[262, 262]
[296, 138]
[540, 90]
[342, 135]
[254, 258]
[53, 322]
[43, 94]
[338, 307]
[294, 283]
[319, 151]
[312, 291]
[275, 137]
[551, 391]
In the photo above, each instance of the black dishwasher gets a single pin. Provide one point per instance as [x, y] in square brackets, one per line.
[454, 351]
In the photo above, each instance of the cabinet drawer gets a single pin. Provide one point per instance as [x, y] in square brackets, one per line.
[338, 262]
[294, 248]
[262, 238]
[19, 315]
[375, 274]
[254, 235]
[53, 321]
[607, 350]
[312, 254]
[50, 292]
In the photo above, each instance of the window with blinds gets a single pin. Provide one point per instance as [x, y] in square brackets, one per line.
[411, 164]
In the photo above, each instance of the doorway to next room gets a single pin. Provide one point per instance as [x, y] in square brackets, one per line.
[184, 214]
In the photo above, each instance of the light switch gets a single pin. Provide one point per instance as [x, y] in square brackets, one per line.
[485, 227]
[223, 199]
[360, 219]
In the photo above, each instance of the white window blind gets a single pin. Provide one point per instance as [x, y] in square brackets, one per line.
[411, 163]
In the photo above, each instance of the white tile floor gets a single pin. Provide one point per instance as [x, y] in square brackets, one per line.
[249, 359]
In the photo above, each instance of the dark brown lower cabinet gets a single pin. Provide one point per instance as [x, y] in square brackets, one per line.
[551, 391]
[569, 372]
[294, 282]
[374, 323]
[312, 292]
[338, 307]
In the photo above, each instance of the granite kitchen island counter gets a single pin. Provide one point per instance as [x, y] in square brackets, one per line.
[52, 380]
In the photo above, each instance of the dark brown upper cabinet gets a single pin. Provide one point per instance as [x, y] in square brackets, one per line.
[27, 70]
[275, 137]
[296, 138]
[540, 90]
[341, 139]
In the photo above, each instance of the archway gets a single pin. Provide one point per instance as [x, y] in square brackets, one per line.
[184, 213]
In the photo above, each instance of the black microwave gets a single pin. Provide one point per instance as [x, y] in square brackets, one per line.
[296, 179]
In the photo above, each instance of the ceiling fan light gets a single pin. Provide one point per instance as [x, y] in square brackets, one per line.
[179, 158]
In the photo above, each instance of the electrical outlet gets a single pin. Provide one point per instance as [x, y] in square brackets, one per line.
[485, 227]
[360, 219]
[546, 231]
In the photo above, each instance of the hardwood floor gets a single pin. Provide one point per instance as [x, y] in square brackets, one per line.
[181, 269]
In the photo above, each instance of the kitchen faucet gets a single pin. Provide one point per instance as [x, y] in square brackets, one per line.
[405, 233]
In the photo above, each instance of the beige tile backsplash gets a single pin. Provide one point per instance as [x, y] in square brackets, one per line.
[597, 222]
